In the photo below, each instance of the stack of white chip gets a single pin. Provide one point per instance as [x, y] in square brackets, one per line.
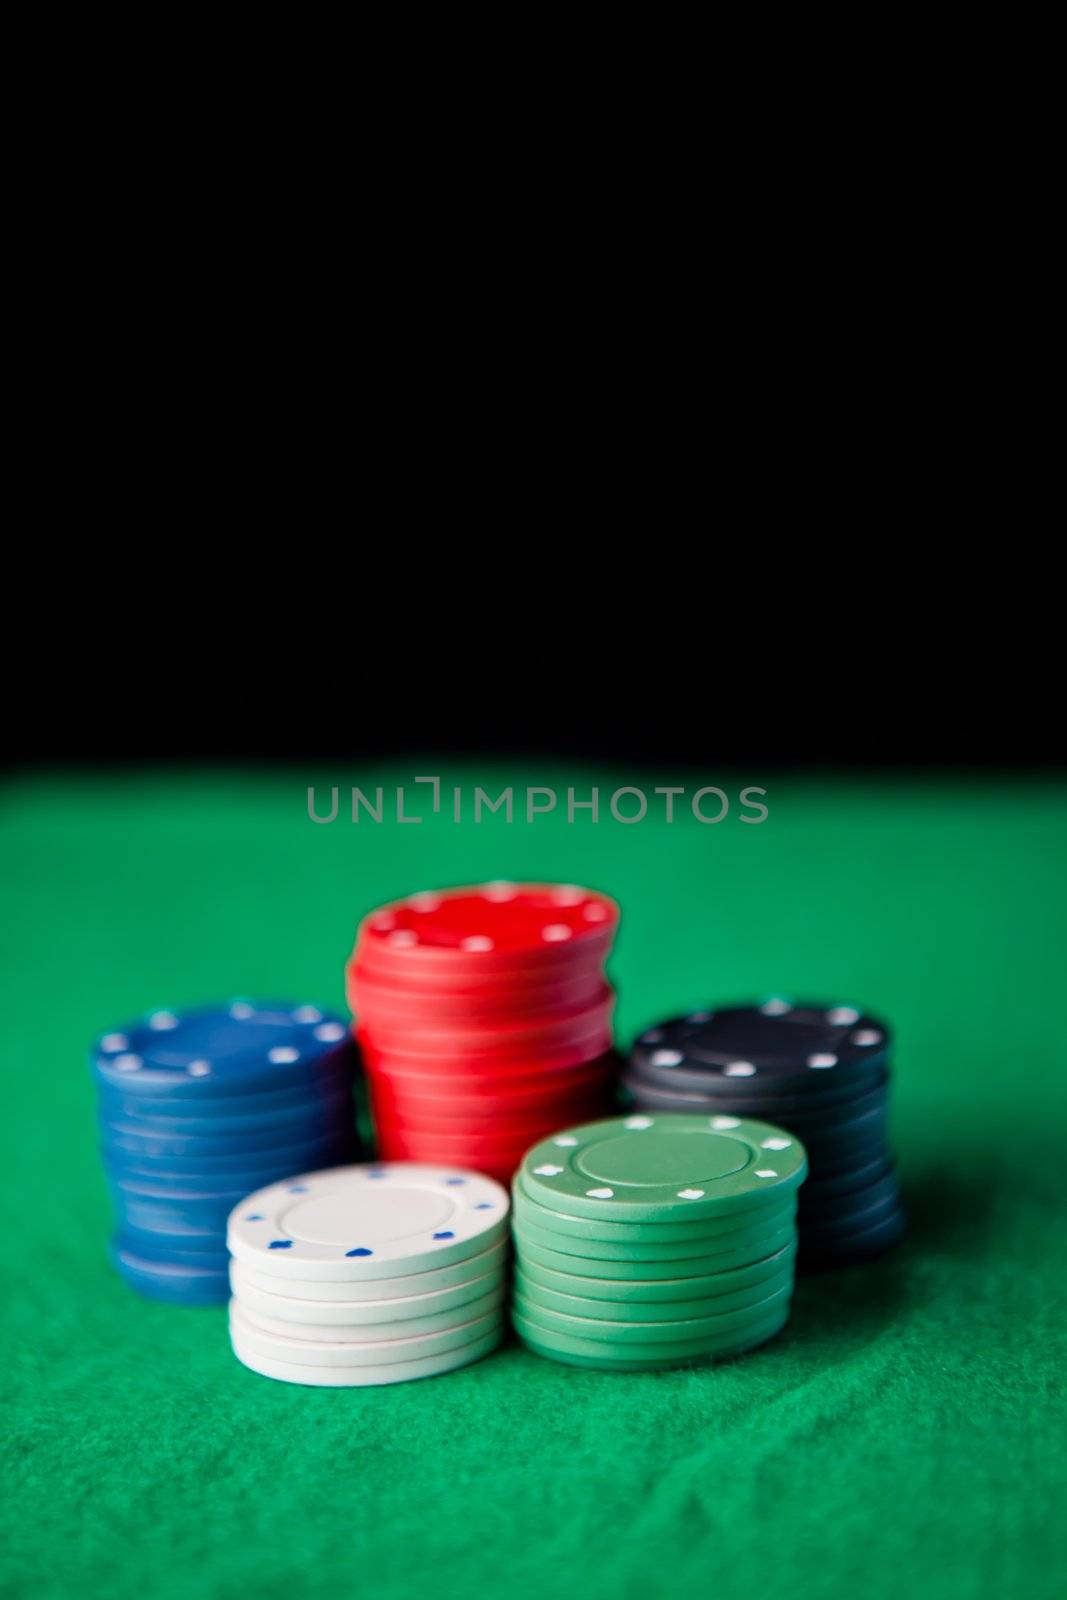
[368, 1275]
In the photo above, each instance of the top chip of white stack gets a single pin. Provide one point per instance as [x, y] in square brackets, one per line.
[365, 1222]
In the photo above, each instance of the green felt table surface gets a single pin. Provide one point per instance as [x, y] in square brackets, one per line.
[905, 1433]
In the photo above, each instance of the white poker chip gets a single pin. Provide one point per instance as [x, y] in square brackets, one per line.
[376, 1333]
[346, 1353]
[366, 1377]
[414, 1308]
[344, 1292]
[381, 1220]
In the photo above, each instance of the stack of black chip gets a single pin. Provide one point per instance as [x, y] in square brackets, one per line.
[822, 1072]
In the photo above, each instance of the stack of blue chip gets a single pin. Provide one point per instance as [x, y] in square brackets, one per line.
[198, 1109]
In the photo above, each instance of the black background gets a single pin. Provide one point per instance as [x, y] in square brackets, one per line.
[578, 690]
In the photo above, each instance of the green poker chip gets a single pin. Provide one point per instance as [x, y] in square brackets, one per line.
[648, 1355]
[650, 1167]
[646, 1314]
[692, 1332]
[529, 1248]
[744, 1243]
[651, 1291]
[775, 1212]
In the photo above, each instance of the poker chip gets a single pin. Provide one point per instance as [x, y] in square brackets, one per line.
[243, 1170]
[182, 1283]
[367, 1222]
[415, 1310]
[822, 1073]
[351, 1377]
[726, 1249]
[624, 1291]
[484, 1019]
[599, 1354]
[404, 1287]
[523, 928]
[649, 1312]
[181, 1249]
[374, 1274]
[196, 1109]
[241, 1048]
[655, 1240]
[690, 1332]
[658, 1168]
[434, 1323]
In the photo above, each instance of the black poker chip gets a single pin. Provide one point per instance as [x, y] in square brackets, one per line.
[820, 1072]
[776, 1045]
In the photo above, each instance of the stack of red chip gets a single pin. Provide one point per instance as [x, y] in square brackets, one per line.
[484, 1017]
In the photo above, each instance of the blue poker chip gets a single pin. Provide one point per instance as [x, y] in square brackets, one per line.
[310, 1109]
[327, 1083]
[189, 1250]
[231, 1173]
[242, 1048]
[148, 1209]
[133, 1140]
[177, 1284]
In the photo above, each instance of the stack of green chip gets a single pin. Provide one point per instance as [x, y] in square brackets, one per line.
[652, 1241]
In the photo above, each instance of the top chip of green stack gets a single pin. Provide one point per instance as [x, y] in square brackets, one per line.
[648, 1167]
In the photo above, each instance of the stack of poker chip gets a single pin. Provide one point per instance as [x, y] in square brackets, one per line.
[197, 1109]
[484, 1018]
[647, 1242]
[369, 1275]
[820, 1071]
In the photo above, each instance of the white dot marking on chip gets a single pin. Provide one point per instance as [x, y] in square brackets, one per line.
[403, 938]
[199, 1069]
[700, 1016]
[765, 1172]
[240, 1010]
[567, 895]
[690, 1194]
[329, 1032]
[547, 1170]
[842, 1016]
[775, 1144]
[115, 1041]
[476, 941]
[567, 1140]
[600, 1194]
[739, 1069]
[162, 1021]
[426, 901]
[776, 1007]
[822, 1061]
[726, 1122]
[667, 1058]
[282, 1055]
[499, 892]
[383, 924]
[867, 1036]
[307, 1014]
[639, 1122]
[594, 912]
[128, 1063]
[556, 932]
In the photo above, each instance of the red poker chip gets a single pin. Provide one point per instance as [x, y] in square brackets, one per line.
[445, 1150]
[502, 1168]
[468, 1069]
[423, 1033]
[489, 1118]
[386, 1000]
[493, 925]
[433, 983]
[432, 1094]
